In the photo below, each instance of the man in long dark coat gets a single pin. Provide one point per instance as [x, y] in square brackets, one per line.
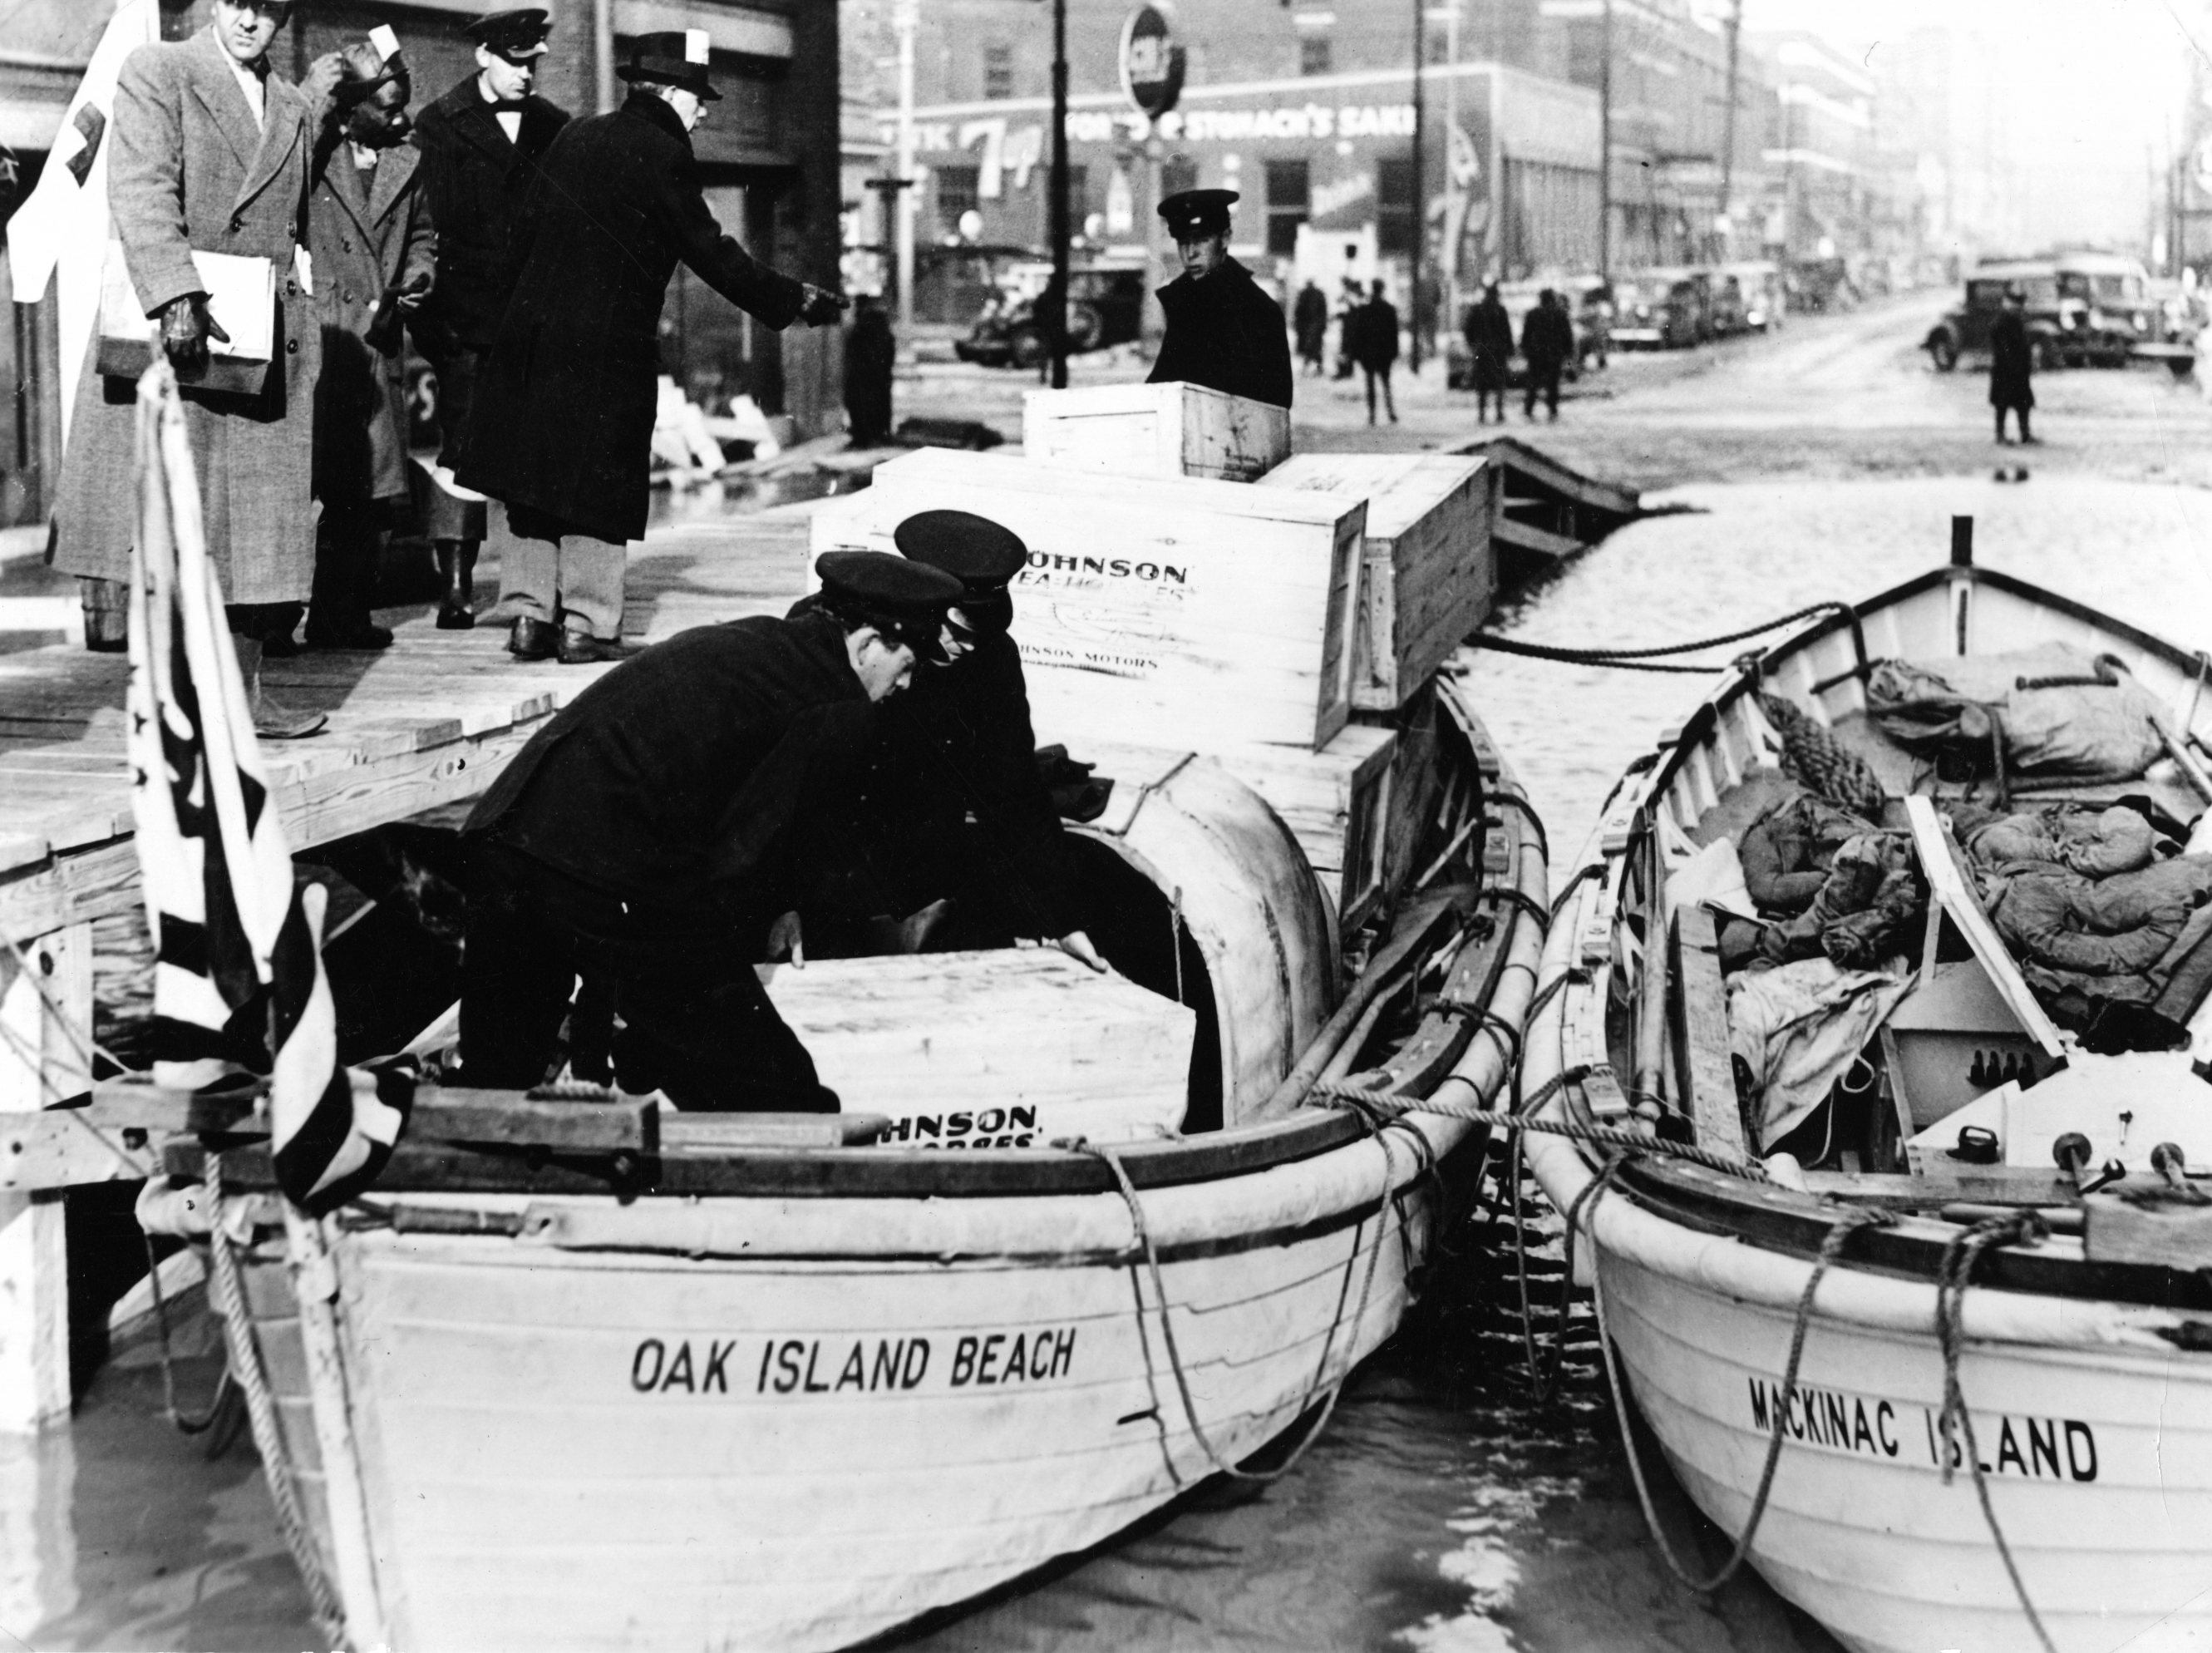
[1375, 347]
[871, 354]
[1222, 331]
[482, 144]
[644, 838]
[1547, 340]
[210, 156]
[563, 428]
[369, 228]
[2012, 362]
[1490, 342]
[1310, 321]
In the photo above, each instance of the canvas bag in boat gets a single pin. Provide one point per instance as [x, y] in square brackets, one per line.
[242, 299]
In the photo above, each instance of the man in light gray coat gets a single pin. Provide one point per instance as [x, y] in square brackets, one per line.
[211, 155]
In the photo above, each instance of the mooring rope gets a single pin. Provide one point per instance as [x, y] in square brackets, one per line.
[184, 1425]
[1144, 1234]
[1959, 1257]
[1654, 659]
[276, 1465]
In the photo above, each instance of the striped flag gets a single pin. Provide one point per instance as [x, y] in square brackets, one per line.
[238, 975]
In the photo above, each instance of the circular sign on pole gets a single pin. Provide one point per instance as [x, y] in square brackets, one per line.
[1152, 61]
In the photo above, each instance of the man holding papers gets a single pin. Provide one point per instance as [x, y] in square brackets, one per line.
[211, 156]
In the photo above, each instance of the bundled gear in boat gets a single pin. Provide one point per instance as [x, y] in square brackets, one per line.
[1786, 852]
[2104, 939]
[1813, 755]
[2080, 838]
[1867, 907]
[2065, 714]
[645, 838]
[1798, 1029]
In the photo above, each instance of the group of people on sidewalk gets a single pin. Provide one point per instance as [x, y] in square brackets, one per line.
[526, 253]
[1548, 345]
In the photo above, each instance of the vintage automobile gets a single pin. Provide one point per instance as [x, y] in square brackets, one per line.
[1747, 297]
[1966, 331]
[1663, 308]
[1105, 306]
[1590, 302]
[2109, 308]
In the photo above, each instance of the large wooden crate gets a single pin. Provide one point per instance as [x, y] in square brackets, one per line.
[1173, 612]
[1430, 574]
[999, 1049]
[1162, 430]
[1336, 801]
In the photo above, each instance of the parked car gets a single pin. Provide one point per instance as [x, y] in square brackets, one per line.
[1591, 304]
[1665, 308]
[1966, 330]
[1747, 297]
[2109, 308]
[1817, 286]
[1105, 306]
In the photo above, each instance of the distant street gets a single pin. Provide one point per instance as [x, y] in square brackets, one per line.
[1827, 397]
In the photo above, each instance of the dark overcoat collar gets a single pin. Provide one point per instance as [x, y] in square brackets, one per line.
[656, 111]
[475, 120]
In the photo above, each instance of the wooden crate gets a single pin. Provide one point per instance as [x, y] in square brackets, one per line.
[1336, 801]
[1430, 574]
[1174, 613]
[1160, 430]
[946, 1045]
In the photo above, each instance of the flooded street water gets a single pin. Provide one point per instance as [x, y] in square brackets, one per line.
[1447, 1508]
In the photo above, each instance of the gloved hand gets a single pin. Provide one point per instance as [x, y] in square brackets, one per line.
[818, 307]
[320, 81]
[186, 326]
[786, 940]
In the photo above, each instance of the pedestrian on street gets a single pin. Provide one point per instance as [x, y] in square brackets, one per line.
[2012, 364]
[211, 155]
[1222, 330]
[871, 353]
[1350, 302]
[562, 427]
[369, 228]
[646, 839]
[1375, 347]
[482, 144]
[1309, 320]
[1547, 344]
[1489, 342]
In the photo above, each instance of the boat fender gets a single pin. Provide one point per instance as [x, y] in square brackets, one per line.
[1787, 1173]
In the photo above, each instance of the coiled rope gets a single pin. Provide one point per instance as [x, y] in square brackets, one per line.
[276, 1465]
[1143, 1236]
[1654, 659]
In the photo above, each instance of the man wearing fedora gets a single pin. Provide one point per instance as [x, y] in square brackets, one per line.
[562, 427]
[481, 145]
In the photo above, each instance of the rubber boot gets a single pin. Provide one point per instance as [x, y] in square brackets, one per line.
[457, 568]
[272, 720]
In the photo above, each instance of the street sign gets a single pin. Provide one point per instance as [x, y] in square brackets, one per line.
[1151, 63]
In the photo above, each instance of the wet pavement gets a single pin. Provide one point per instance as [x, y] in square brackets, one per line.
[1448, 1509]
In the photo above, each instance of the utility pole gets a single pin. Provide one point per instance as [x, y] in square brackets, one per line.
[1420, 203]
[1055, 318]
[1728, 130]
[1605, 145]
[906, 17]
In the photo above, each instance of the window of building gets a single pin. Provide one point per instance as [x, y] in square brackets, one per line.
[956, 191]
[1289, 202]
[1393, 204]
[1177, 174]
[997, 72]
[1313, 54]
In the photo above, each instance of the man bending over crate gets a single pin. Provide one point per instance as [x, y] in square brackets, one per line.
[644, 838]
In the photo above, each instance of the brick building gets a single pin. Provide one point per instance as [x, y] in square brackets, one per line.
[768, 151]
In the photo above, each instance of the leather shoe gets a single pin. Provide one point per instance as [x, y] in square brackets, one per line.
[361, 637]
[582, 648]
[533, 640]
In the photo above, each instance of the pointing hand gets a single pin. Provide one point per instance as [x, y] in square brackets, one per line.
[818, 307]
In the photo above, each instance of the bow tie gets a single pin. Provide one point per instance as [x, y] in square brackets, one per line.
[505, 106]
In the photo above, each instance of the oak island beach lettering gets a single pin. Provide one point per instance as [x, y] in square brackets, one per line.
[808, 1366]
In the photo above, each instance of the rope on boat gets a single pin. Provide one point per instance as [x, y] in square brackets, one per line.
[1584, 875]
[1832, 1248]
[184, 1425]
[1144, 1234]
[1651, 659]
[277, 1466]
[1514, 797]
[1959, 1257]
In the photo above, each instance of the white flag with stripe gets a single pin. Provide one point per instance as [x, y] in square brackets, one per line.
[237, 976]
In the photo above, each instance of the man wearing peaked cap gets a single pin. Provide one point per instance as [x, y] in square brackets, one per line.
[482, 144]
[959, 747]
[1223, 331]
[562, 430]
[645, 838]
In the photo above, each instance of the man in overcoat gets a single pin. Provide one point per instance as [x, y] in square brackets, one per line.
[1309, 320]
[1490, 342]
[645, 838]
[1547, 343]
[1375, 347]
[482, 144]
[870, 356]
[211, 155]
[2012, 362]
[369, 229]
[1222, 331]
[563, 428]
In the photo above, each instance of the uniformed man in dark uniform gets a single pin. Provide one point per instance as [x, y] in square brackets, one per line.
[1223, 332]
[481, 145]
[951, 809]
[644, 838]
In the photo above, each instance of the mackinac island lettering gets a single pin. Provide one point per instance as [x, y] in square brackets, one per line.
[2036, 1449]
